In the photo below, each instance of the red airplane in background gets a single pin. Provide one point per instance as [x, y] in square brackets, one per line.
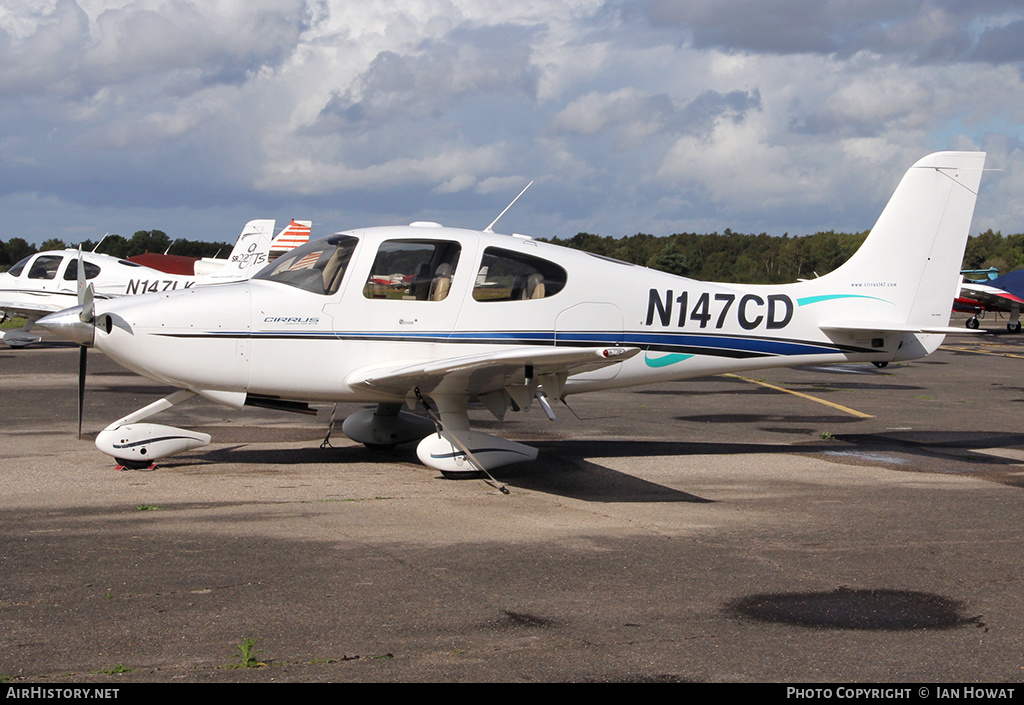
[1003, 294]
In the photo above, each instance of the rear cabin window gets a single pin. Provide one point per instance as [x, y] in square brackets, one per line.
[512, 276]
[71, 273]
[413, 270]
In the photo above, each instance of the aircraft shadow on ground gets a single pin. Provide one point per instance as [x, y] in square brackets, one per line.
[555, 472]
[565, 467]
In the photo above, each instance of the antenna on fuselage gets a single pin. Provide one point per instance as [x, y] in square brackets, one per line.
[101, 240]
[488, 228]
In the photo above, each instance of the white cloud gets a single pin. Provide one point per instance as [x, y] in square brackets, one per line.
[650, 115]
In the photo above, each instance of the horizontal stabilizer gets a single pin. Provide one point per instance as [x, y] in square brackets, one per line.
[885, 327]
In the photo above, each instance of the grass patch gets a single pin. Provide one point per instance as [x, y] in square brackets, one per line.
[119, 668]
[247, 654]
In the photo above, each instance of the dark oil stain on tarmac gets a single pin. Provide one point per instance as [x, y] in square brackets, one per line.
[523, 619]
[845, 608]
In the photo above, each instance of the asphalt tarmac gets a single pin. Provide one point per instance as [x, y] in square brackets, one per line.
[715, 530]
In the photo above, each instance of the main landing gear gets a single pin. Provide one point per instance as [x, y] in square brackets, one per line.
[446, 442]
[1012, 326]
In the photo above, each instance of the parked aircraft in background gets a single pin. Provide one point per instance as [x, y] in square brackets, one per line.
[545, 323]
[295, 234]
[1003, 294]
[47, 281]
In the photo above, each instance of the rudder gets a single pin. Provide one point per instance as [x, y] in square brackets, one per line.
[912, 256]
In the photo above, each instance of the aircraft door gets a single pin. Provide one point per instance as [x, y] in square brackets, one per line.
[591, 324]
[43, 274]
[413, 291]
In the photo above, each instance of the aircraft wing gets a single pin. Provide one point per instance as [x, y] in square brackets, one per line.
[32, 310]
[992, 298]
[484, 373]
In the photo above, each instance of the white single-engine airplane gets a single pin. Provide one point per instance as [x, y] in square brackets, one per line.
[544, 323]
[46, 282]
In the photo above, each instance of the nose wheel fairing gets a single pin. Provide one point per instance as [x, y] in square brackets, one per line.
[135, 444]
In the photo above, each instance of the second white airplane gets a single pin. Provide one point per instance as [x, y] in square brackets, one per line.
[435, 319]
[46, 282]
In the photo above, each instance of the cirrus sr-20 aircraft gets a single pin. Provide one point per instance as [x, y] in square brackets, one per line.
[437, 318]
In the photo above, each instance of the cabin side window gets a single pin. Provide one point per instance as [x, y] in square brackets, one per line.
[71, 273]
[45, 267]
[512, 276]
[413, 270]
[318, 267]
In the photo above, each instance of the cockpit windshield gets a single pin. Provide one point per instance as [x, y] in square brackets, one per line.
[317, 266]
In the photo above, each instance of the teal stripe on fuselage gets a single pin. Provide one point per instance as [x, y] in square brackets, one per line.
[665, 360]
[808, 300]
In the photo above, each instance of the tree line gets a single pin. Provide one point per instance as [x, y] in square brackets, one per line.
[767, 259]
[723, 257]
[16, 249]
[727, 256]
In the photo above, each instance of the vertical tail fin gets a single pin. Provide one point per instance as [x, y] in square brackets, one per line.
[295, 234]
[250, 254]
[906, 272]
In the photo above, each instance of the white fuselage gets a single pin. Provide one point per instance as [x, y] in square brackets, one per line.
[273, 339]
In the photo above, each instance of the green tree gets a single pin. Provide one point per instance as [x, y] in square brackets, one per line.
[981, 249]
[52, 244]
[18, 249]
[671, 260]
[144, 241]
[113, 245]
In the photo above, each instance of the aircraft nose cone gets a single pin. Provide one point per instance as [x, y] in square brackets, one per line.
[68, 324]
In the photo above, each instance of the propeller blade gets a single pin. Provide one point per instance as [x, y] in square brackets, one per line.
[87, 302]
[82, 356]
[81, 277]
[86, 292]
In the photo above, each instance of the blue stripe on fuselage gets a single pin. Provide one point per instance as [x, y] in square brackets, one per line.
[687, 343]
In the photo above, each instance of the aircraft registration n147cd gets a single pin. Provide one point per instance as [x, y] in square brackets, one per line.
[435, 318]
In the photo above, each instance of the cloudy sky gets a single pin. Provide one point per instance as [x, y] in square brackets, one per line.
[657, 116]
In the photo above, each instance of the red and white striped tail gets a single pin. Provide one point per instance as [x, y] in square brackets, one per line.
[295, 234]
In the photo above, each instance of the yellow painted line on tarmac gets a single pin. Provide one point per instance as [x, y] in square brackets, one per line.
[980, 352]
[840, 407]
